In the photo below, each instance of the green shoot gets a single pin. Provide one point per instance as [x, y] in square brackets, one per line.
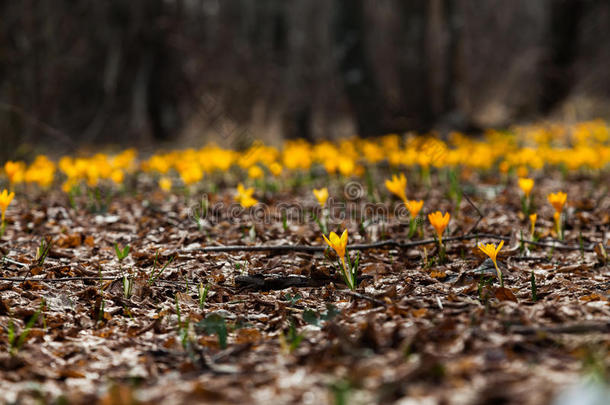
[349, 270]
[284, 221]
[42, 252]
[291, 341]
[15, 342]
[534, 289]
[153, 277]
[215, 323]
[341, 391]
[203, 294]
[121, 253]
[314, 318]
[127, 286]
[455, 190]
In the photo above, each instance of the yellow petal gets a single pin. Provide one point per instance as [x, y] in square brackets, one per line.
[334, 239]
[327, 241]
[344, 238]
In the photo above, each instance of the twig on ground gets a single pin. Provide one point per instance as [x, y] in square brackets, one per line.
[15, 262]
[380, 244]
[481, 216]
[363, 296]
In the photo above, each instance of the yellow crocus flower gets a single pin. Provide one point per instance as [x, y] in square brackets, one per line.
[244, 196]
[414, 207]
[533, 218]
[255, 172]
[275, 168]
[14, 171]
[439, 222]
[492, 251]
[339, 244]
[397, 186]
[117, 176]
[321, 195]
[526, 186]
[5, 200]
[165, 183]
[558, 200]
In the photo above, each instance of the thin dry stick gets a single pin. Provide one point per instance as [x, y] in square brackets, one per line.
[366, 246]
[16, 263]
[363, 296]
[58, 280]
[471, 230]
[385, 243]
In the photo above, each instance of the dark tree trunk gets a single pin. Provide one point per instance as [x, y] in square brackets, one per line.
[354, 69]
[565, 20]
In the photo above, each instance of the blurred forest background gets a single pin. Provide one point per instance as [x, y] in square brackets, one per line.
[180, 72]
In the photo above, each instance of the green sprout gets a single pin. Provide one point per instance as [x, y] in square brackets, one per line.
[15, 342]
[215, 324]
[121, 253]
[203, 294]
[154, 275]
[533, 286]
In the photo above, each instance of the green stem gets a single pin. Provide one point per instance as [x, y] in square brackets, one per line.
[499, 275]
[346, 276]
[412, 227]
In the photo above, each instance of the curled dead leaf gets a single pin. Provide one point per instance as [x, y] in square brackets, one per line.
[504, 294]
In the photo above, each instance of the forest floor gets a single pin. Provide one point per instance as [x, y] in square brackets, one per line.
[206, 322]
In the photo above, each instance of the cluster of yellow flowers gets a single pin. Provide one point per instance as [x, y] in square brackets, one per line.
[42, 170]
[584, 145]
[98, 167]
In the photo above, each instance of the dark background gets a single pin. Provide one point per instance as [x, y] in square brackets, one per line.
[152, 72]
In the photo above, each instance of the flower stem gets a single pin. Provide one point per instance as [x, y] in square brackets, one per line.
[500, 276]
[412, 227]
[348, 279]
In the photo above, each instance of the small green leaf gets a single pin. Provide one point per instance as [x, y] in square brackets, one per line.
[331, 312]
[311, 317]
[121, 253]
[214, 323]
[293, 299]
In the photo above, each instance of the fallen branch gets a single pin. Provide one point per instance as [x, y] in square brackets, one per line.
[385, 243]
[57, 280]
[262, 282]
